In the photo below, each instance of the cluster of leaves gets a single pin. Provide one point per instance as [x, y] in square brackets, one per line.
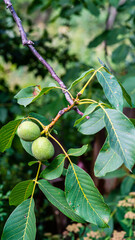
[9, 42]
[111, 35]
[9, 161]
[119, 33]
[68, 8]
[123, 206]
[78, 184]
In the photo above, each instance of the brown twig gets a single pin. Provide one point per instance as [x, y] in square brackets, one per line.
[60, 113]
[30, 44]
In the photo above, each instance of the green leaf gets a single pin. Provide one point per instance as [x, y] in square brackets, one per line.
[21, 224]
[83, 75]
[129, 85]
[119, 173]
[55, 169]
[112, 89]
[127, 185]
[126, 95]
[120, 53]
[57, 197]
[7, 133]
[115, 35]
[107, 160]
[55, 131]
[31, 94]
[104, 65]
[41, 118]
[38, 6]
[111, 37]
[120, 213]
[97, 40]
[21, 192]
[114, 2]
[84, 198]
[109, 231]
[132, 39]
[121, 134]
[32, 163]
[94, 124]
[92, 8]
[77, 151]
[44, 91]
[26, 95]
[88, 111]
[64, 172]
[27, 146]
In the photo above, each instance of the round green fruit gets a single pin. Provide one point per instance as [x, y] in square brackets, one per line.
[42, 149]
[28, 131]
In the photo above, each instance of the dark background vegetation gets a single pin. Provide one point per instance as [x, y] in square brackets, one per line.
[70, 35]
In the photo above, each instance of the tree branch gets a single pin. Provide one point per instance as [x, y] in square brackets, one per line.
[60, 113]
[30, 44]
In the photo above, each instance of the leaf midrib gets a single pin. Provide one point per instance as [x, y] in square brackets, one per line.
[29, 210]
[116, 135]
[106, 164]
[108, 161]
[80, 78]
[25, 192]
[56, 167]
[109, 87]
[71, 154]
[84, 194]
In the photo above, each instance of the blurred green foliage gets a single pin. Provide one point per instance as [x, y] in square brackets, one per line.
[70, 35]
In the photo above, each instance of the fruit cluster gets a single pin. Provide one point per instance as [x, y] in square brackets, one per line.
[42, 148]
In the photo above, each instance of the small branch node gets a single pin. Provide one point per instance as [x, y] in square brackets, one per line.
[61, 112]
[79, 94]
[8, 4]
[27, 42]
[30, 44]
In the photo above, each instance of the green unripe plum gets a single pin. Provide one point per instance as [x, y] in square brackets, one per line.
[42, 149]
[28, 131]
